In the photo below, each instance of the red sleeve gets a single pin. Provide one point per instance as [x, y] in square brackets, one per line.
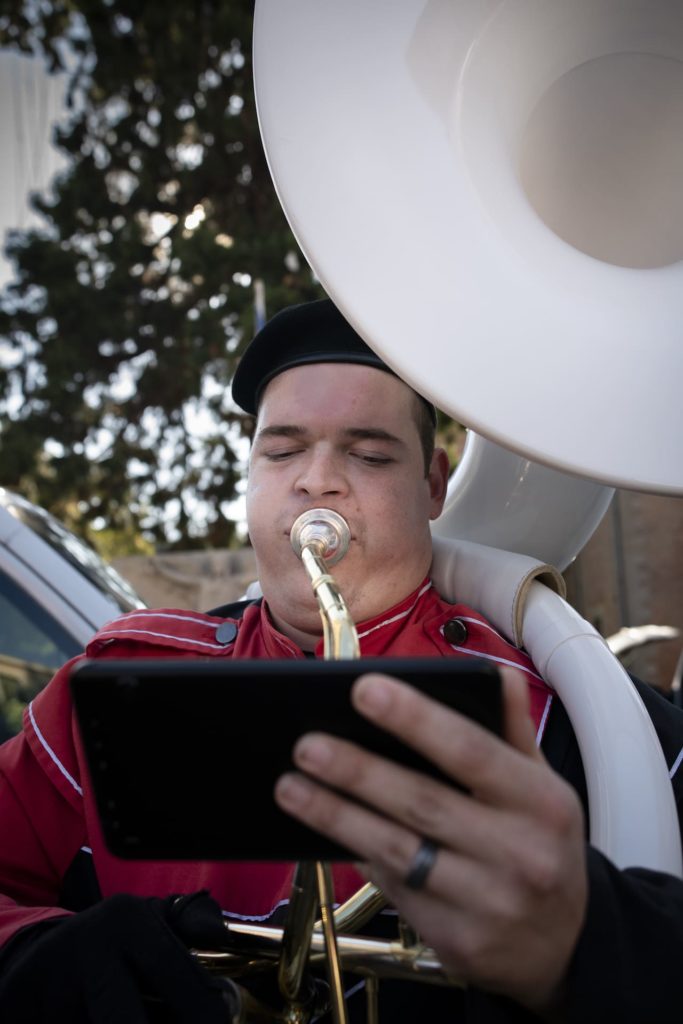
[42, 830]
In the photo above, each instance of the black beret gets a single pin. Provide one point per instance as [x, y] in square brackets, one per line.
[312, 332]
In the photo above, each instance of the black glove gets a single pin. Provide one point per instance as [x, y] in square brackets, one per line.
[123, 961]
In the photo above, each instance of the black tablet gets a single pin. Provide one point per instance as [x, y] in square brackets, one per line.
[184, 754]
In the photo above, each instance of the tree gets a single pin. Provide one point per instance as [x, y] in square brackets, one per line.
[130, 306]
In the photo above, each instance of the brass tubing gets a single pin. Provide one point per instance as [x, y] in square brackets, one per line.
[317, 533]
[296, 935]
[358, 909]
[408, 937]
[357, 954]
[339, 632]
[371, 1000]
[326, 897]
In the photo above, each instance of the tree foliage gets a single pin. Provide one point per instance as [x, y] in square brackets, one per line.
[131, 302]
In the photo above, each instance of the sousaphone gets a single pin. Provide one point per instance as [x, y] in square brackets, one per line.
[490, 192]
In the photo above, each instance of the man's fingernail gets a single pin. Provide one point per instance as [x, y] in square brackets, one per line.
[312, 752]
[372, 695]
[292, 791]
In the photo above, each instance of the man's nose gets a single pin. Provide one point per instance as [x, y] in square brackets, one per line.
[321, 474]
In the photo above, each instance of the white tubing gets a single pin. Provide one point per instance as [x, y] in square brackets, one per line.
[633, 817]
[502, 499]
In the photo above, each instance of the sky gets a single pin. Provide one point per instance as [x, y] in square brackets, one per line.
[30, 102]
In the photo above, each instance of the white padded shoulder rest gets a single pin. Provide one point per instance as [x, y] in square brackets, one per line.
[494, 582]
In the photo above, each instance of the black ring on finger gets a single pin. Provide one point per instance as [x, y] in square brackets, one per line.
[422, 863]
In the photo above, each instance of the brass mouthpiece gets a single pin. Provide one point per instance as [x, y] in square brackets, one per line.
[323, 530]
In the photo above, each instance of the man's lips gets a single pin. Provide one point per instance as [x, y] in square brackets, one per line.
[287, 531]
[287, 534]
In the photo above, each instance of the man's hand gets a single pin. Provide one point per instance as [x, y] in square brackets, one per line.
[124, 959]
[504, 903]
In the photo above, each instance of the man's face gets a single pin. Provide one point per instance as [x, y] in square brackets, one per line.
[341, 436]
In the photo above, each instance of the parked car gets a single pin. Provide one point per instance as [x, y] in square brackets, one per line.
[55, 592]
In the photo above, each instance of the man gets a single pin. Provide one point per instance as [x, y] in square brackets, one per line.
[500, 882]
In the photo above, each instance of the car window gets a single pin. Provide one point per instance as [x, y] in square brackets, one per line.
[74, 550]
[32, 646]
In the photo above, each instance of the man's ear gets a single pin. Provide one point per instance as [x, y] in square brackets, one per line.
[439, 471]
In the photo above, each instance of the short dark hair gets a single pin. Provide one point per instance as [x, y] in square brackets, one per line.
[423, 418]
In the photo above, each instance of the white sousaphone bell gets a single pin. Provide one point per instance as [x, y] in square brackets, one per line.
[490, 192]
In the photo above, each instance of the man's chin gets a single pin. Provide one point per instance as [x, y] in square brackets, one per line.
[291, 598]
[297, 608]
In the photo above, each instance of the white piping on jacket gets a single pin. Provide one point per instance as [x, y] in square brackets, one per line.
[400, 615]
[676, 765]
[494, 657]
[51, 752]
[163, 636]
[544, 719]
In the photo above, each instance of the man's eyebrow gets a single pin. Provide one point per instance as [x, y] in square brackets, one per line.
[281, 430]
[372, 434]
[352, 433]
